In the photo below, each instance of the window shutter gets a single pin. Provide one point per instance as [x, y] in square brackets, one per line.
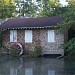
[15, 36]
[51, 36]
[28, 36]
[11, 35]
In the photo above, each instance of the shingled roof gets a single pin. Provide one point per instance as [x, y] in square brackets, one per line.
[31, 22]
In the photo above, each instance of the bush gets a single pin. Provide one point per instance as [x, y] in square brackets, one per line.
[29, 54]
[14, 50]
[69, 47]
[37, 51]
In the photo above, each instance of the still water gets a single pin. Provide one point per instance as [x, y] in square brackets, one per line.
[36, 66]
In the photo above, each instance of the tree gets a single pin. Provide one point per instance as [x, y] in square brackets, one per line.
[71, 3]
[49, 7]
[26, 8]
[69, 15]
[69, 24]
[7, 8]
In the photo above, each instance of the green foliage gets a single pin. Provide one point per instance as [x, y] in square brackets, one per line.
[26, 8]
[37, 51]
[7, 8]
[29, 54]
[48, 8]
[69, 47]
[71, 3]
[14, 50]
[67, 13]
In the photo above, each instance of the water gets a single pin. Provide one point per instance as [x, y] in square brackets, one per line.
[36, 66]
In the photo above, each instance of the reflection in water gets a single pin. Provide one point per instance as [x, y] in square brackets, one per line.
[13, 71]
[28, 71]
[36, 66]
[51, 72]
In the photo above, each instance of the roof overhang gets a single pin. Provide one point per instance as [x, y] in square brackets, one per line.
[21, 28]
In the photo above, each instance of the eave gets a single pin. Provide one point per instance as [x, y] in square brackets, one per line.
[30, 28]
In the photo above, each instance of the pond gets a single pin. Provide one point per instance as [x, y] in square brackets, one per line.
[36, 66]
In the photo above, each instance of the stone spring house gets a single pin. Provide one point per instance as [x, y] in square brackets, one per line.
[31, 32]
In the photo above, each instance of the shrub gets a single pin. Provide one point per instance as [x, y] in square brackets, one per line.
[29, 54]
[37, 51]
[14, 50]
[69, 47]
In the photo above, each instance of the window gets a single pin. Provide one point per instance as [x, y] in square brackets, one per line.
[51, 37]
[28, 36]
[13, 35]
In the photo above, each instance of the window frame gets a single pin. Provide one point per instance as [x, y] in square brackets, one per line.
[12, 36]
[51, 34]
[27, 37]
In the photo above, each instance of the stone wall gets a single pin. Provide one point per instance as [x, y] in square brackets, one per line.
[39, 38]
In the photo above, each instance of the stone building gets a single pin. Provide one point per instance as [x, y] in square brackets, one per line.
[31, 32]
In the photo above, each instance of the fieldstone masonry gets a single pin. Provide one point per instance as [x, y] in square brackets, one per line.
[40, 37]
